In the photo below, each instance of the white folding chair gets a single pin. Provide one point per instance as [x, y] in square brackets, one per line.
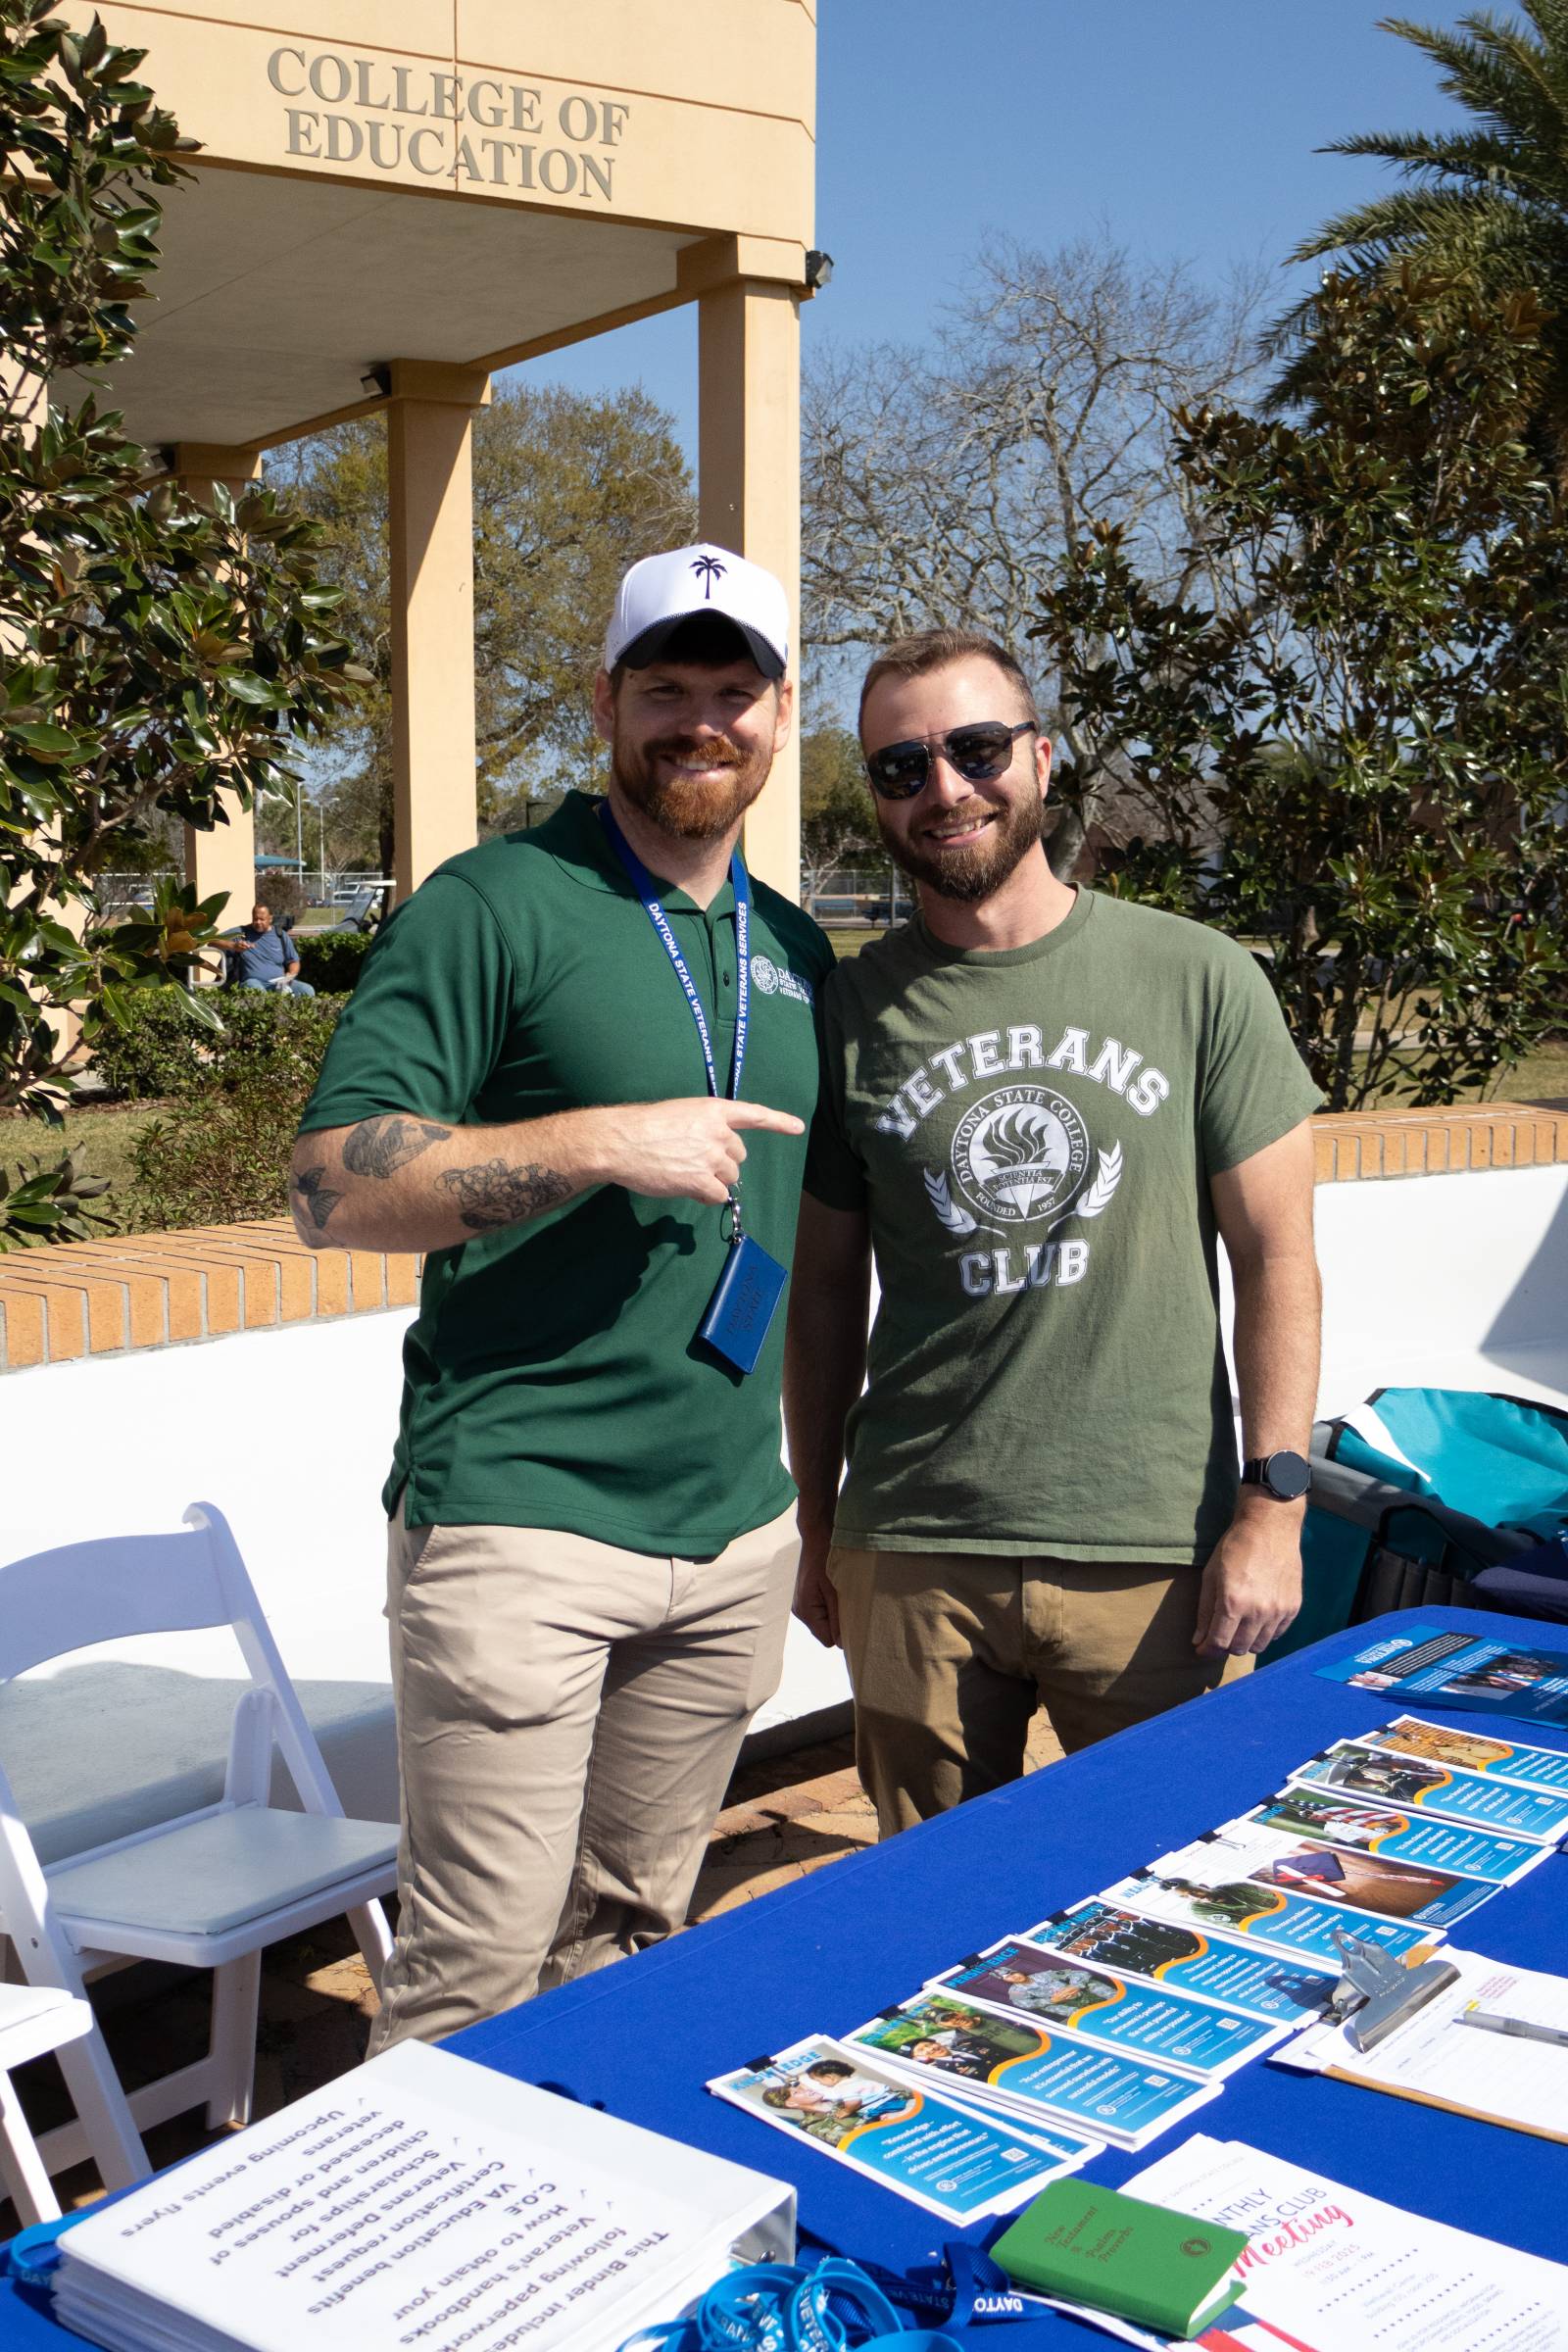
[34, 2019]
[206, 1890]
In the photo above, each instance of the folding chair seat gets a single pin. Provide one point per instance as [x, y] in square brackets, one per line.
[209, 1890]
[32, 2021]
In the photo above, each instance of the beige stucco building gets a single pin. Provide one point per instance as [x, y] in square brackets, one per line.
[395, 198]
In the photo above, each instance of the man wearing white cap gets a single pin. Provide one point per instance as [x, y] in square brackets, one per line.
[591, 1545]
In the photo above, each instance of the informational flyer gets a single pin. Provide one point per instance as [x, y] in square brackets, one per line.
[1385, 1830]
[1461, 1750]
[1330, 2269]
[1190, 1960]
[1435, 2058]
[1335, 1874]
[1020, 2064]
[1430, 1667]
[1201, 1893]
[1017, 1978]
[1442, 1791]
[950, 2159]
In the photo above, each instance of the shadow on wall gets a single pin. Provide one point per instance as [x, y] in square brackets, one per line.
[1531, 1322]
[96, 1751]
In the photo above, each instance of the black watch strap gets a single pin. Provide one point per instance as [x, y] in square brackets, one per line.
[1285, 1474]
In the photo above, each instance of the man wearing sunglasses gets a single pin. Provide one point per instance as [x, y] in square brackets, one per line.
[1043, 1109]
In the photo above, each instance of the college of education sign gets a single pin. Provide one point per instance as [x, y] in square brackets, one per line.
[476, 131]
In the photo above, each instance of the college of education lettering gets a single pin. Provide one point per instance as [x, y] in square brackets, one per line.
[471, 130]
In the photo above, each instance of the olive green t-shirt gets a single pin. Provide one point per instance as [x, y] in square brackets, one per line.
[1032, 1132]
[553, 1377]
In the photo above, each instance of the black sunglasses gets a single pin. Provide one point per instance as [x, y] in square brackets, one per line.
[976, 753]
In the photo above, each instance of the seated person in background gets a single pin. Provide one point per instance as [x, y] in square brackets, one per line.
[267, 958]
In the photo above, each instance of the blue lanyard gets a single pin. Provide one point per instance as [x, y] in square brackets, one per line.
[842, 2307]
[647, 889]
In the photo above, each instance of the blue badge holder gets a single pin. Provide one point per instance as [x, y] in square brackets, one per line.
[741, 1310]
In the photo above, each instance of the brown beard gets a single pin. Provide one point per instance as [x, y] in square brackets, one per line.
[688, 808]
[970, 876]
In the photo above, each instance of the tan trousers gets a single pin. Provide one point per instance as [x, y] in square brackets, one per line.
[951, 1654]
[568, 1715]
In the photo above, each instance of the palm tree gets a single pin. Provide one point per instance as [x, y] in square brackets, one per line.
[1489, 203]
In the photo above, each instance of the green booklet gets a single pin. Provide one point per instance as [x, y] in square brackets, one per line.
[1093, 2246]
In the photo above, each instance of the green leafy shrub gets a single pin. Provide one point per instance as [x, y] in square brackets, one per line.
[151, 1047]
[155, 1049]
[221, 1151]
[332, 960]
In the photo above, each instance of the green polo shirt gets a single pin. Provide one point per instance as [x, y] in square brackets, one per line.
[553, 1377]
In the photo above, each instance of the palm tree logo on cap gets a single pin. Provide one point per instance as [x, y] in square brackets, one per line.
[709, 568]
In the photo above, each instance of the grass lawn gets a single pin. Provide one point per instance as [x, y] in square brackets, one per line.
[100, 1138]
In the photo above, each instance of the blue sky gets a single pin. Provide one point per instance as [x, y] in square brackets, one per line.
[1186, 126]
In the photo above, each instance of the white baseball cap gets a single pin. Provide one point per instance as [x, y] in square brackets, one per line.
[691, 583]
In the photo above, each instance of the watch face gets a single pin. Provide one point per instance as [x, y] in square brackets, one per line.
[1287, 1476]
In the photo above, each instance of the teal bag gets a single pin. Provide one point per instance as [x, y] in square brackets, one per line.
[1488, 1477]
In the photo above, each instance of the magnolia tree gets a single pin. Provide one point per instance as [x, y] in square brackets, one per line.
[158, 656]
[1357, 755]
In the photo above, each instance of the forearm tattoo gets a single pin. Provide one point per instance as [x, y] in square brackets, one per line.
[380, 1146]
[495, 1193]
[312, 1190]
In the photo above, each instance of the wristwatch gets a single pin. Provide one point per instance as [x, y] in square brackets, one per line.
[1284, 1475]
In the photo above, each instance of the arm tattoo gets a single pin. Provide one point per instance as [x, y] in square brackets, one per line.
[497, 1194]
[379, 1147]
[317, 1198]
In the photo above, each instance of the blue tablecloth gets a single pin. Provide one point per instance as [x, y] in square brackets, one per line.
[827, 1953]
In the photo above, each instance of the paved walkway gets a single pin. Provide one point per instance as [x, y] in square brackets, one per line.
[785, 1818]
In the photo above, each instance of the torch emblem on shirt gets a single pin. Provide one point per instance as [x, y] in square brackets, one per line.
[1020, 1155]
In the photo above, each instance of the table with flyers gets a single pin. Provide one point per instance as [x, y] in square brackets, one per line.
[834, 1950]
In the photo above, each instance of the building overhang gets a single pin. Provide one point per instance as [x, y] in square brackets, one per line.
[471, 183]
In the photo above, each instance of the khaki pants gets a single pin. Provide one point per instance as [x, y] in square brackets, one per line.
[951, 1654]
[568, 1715]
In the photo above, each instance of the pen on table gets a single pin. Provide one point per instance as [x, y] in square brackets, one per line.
[1489, 2023]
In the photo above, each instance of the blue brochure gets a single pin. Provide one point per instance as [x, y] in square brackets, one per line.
[947, 2158]
[1016, 1979]
[1460, 1748]
[1339, 1875]
[1383, 1830]
[1008, 2062]
[1191, 1960]
[1356, 1769]
[1432, 1668]
[1271, 1915]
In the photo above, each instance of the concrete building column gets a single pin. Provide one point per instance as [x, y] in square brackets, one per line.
[749, 494]
[430, 509]
[224, 859]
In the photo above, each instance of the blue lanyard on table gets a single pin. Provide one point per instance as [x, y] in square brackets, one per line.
[647, 889]
[841, 2307]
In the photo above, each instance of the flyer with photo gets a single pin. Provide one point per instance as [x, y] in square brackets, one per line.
[1005, 2062]
[952, 2160]
[1335, 1874]
[1017, 1978]
[1472, 1752]
[1203, 1892]
[1441, 1789]
[1430, 1667]
[1190, 1960]
[1383, 1830]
